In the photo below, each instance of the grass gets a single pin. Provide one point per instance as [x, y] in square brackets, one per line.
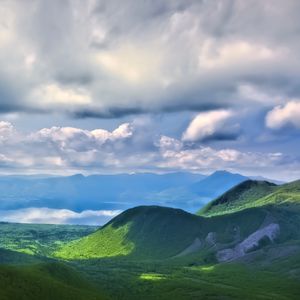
[181, 280]
[144, 232]
[45, 281]
[102, 243]
[39, 239]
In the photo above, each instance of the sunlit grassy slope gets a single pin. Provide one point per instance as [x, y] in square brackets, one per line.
[155, 232]
[250, 194]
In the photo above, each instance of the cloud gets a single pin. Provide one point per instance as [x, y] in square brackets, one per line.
[58, 216]
[281, 116]
[131, 147]
[6, 130]
[209, 125]
[106, 59]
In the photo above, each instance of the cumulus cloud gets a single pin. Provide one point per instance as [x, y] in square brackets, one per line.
[131, 147]
[107, 59]
[58, 216]
[207, 158]
[209, 125]
[283, 115]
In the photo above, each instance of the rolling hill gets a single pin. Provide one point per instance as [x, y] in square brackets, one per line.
[145, 231]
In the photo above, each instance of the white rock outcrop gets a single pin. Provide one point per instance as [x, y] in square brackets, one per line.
[270, 231]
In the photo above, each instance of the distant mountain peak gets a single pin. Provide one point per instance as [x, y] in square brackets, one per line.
[217, 183]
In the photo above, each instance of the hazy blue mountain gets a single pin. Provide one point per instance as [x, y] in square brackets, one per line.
[80, 192]
[217, 183]
[120, 191]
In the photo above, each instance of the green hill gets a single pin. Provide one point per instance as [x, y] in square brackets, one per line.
[159, 233]
[152, 231]
[250, 194]
[44, 281]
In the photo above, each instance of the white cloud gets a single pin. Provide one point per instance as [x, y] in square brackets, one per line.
[205, 159]
[167, 143]
[6, 130]
[79, 139]
[131, 147]
[132, 63]
[53, 95]
[282, 115]
[206, 124]
[58, 216]
[233, 53]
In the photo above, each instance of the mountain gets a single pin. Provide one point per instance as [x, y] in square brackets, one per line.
[78, 193]
[217, 183]
[261, 178]
[96, 192]
[251, 194]
[145, 232]
[182, 190]
[264, 215]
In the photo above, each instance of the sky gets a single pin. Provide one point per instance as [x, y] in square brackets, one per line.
[150, 86]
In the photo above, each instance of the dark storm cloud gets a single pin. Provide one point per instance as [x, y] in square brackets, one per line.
[113, 112]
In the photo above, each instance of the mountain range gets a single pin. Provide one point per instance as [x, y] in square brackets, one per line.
[187, 191]
[243, 220]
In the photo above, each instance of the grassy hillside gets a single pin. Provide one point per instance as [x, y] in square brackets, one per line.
[239, 197]
[153, 231]
[159, 232]
[44, 281]
[250, 194]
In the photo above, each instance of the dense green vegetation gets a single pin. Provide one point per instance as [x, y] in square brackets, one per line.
[190, 279]
[39, 239]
